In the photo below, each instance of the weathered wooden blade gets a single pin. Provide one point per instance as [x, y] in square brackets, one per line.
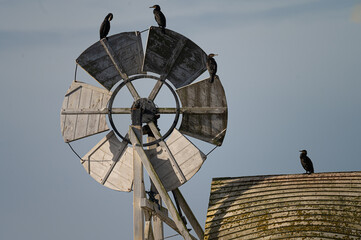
[83, 96]
[110, 163]
[209, 126]
[128, 51]
[187, 156]
[174, 57]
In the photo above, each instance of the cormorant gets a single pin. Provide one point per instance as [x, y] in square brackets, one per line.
[152, 198]
[105, 27]
[159, 17]
[211, 66]
[306, 162]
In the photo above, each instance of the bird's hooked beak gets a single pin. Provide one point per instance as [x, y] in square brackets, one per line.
[152, 6]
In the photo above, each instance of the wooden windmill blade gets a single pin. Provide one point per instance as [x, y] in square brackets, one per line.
[128, 53]
[174, 57]
[204, 107]
[79, 116]
[187, 156]
[110, 162]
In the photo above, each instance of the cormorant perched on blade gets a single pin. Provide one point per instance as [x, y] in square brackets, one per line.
[211, 66]
[306, 162]
[105, 27]
[159, 17]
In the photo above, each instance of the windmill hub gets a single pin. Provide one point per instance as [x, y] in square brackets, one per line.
[144, 111]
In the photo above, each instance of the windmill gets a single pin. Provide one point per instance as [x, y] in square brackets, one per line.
[174, 62]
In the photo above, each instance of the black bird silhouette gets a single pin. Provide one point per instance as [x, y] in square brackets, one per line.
[105, 27]
[211, 66]
[306, 162]
[159, 17]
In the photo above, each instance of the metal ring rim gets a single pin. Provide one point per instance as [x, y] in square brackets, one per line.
[121, 85]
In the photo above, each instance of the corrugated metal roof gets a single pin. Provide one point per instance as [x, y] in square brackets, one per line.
[299, 206]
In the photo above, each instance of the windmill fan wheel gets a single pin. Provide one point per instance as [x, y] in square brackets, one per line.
[115, 62]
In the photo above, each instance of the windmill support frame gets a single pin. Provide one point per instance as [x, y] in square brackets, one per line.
[140, 203]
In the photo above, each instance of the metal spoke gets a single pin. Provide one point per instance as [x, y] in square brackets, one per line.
[132, 90]
[155, 90]
[193, 110]
[114, 111]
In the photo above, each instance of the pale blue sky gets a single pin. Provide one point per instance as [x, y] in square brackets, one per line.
[291, 72]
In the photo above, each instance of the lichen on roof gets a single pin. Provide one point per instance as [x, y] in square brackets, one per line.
[298, 206]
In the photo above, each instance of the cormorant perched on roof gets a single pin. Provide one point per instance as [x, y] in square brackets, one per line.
[159, 17]
[306, 162]
[105, 27]
[211, 66]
